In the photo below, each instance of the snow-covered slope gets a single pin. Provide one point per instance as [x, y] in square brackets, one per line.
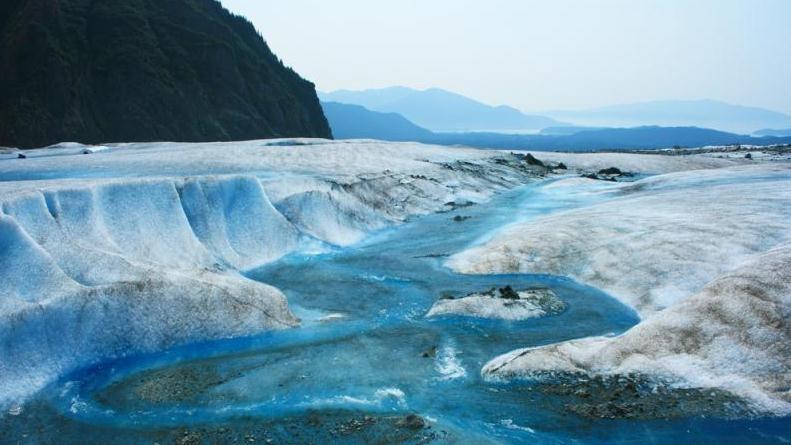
[136, 247]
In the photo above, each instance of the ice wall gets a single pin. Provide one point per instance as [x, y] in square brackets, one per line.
[112, 267]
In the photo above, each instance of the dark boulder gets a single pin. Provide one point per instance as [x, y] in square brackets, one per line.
[430, 352]
[531, 160]
[412, 422]
[508, 293]
[612, 171]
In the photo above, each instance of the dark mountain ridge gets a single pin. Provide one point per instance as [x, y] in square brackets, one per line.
[143, 70]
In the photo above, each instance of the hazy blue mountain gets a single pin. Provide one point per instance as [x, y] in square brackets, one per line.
[440, 110]
[649, 137]
[566, 130]
[679, 113]
[773, 132]
[356, 122]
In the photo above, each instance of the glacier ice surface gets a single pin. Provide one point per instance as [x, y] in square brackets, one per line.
[126, 248]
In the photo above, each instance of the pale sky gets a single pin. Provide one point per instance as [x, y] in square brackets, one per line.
[539, 55]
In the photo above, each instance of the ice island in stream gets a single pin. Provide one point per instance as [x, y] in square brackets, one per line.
[504, 303]
[127, 248]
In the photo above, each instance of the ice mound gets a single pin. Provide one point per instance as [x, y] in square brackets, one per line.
[526, 304]
[732, 335]
[656, 241]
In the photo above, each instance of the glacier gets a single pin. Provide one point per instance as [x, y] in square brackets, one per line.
[127, 248]
[163, 249]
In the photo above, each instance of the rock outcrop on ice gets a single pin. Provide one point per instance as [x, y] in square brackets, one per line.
[702, 255]
[137, 247]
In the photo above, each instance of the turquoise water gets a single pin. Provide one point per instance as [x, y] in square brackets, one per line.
[366, 351]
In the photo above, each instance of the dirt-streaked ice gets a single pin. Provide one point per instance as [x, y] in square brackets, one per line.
[656, 241]
[702, 255]
[732, 335]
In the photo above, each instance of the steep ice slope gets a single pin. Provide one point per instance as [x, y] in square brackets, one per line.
[688, 250]
[733, 334]
[137, 247]
[100, 269]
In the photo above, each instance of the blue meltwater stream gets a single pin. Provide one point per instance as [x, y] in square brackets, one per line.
[366, 351]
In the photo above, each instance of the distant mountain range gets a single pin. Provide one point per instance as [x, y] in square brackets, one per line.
[640, 138]
[440, 110]
[773, 132]
[354, 121]
[444, 111]
[698, 113]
